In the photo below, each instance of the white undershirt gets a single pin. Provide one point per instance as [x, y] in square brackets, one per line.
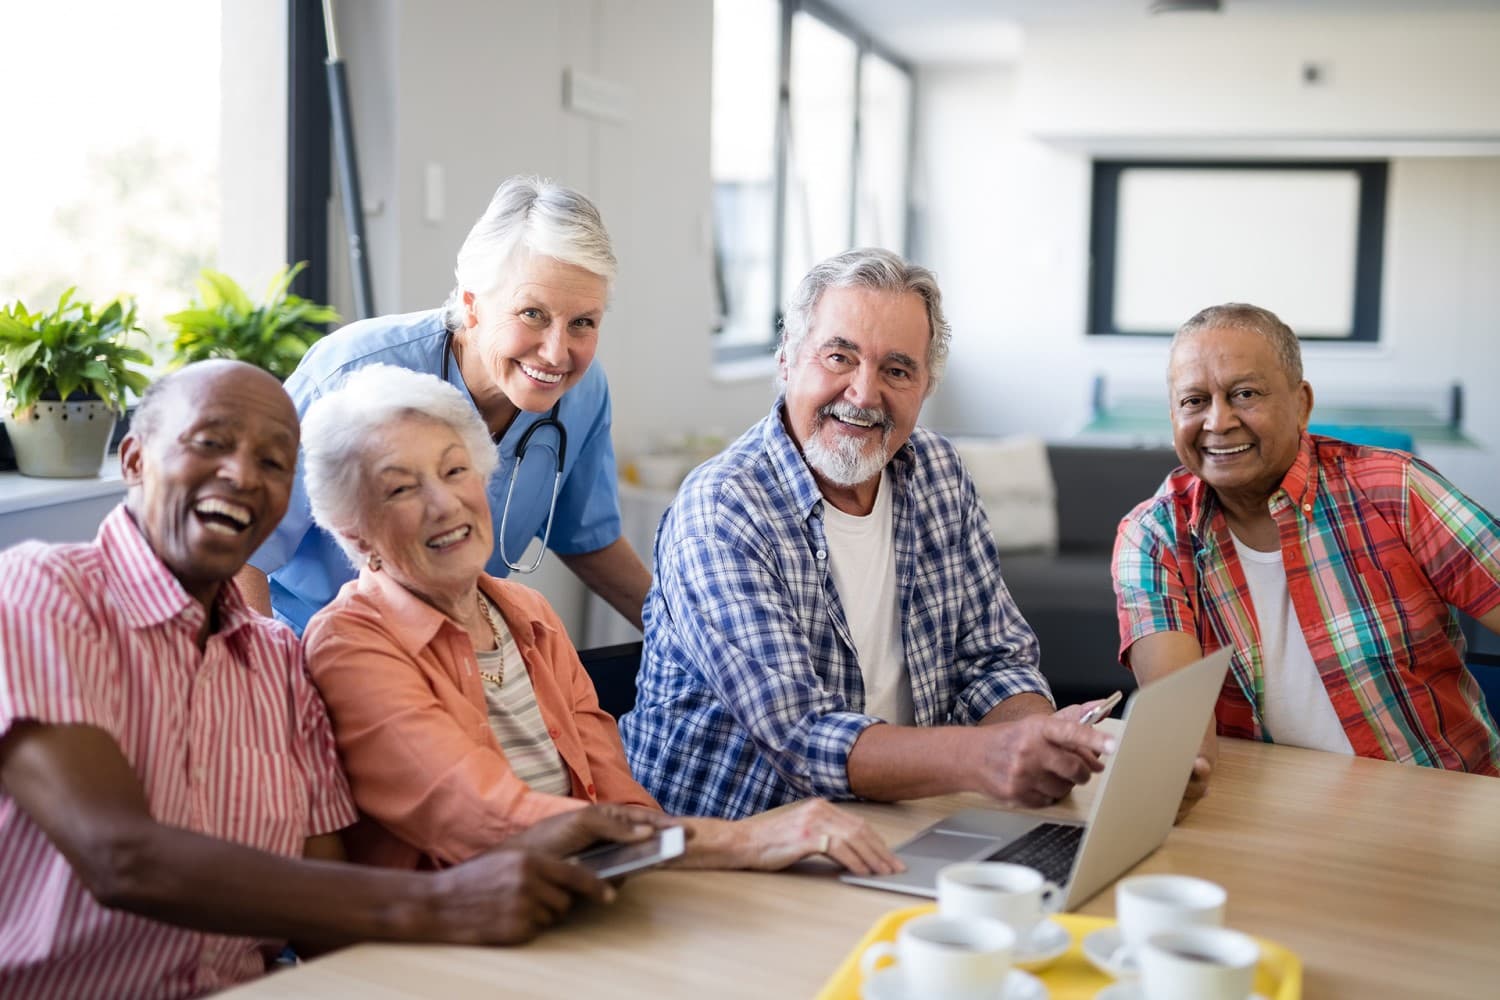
[862, 560]
[1296, 709]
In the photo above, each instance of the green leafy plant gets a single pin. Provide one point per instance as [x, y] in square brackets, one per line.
[223, 323]
[70, 352]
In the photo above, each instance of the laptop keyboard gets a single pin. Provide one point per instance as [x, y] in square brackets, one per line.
[1049, 848]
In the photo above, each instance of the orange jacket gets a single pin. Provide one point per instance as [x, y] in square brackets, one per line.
[408, 709]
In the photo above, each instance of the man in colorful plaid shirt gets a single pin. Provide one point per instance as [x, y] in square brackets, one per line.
[1329, 568]
[828, 616]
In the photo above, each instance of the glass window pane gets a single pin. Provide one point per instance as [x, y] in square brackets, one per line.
[118, 189]
[746, 65]
[821, 147]
[884, 130]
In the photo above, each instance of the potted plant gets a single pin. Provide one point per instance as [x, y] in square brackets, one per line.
[223, 323]
[65, 372]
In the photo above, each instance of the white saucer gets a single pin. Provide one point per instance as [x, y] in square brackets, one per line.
[1131, 990]
[885, 984]
[1045, 944]
[1100, 949]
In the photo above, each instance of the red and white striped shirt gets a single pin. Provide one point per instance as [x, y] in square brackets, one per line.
[231, 741]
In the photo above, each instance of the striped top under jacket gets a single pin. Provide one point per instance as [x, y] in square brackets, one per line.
[231, 741]
[1376, 547]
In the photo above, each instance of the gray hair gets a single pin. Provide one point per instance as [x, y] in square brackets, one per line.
[337, 427]
[1242, 316]
[866, 267]
[528, 215]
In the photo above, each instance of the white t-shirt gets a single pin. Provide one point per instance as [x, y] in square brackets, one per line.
[1297, 710]
[862, 560]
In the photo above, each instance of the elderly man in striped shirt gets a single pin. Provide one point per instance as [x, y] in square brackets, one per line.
[169, 788]
[1330, 568]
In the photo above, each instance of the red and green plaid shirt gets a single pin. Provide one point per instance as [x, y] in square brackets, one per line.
[1376, 546]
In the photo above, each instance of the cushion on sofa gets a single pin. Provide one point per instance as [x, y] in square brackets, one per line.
[1014, 482]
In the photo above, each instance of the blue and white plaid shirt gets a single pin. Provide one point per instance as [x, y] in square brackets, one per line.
[750, 693]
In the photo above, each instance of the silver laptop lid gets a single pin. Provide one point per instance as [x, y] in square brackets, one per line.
[1142, 783]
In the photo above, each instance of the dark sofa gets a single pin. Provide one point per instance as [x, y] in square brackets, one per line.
[1068, 596]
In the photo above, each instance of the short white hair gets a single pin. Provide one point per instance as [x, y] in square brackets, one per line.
[528, 216]
[338, 426]
[873, 268]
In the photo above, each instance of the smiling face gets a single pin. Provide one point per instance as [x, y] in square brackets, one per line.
[1237, 417]
[211, 477]
[854, 391]
[532, 338]
[426, 514]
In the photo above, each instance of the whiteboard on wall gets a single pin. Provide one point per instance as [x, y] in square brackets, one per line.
[1189, 238]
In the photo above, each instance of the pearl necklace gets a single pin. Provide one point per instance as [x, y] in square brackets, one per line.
[496, 678]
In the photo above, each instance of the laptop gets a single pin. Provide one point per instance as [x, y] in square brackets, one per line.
[1139, 791]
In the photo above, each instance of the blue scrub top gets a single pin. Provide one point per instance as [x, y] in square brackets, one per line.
[305, 565]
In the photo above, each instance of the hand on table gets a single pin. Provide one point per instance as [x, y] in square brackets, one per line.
[777, 839]
[1203, 767]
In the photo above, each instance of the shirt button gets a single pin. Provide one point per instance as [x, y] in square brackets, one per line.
[1307, 507]
[822, 554]
[198, 774]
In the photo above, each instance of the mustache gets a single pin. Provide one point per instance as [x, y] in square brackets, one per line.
[848, 411]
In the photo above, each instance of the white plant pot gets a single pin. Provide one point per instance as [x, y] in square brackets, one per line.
[61, 440]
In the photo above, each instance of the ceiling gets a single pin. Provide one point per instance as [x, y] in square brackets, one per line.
[987, 31]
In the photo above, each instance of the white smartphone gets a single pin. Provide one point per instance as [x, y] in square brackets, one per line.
[613, 860]
[1101, 710]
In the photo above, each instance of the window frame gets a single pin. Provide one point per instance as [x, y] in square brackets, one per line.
[1373, 178]
[864, 44]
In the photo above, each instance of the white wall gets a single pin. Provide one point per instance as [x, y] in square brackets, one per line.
[475, 87]
[1239, 73]
[1005, 214]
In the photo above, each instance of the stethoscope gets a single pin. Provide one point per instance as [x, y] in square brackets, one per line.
[550, 420]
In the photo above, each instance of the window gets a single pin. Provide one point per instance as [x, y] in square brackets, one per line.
[746, 57]
[1301, 239]
[111, 179]
[820, 147]
[811, 141]
[885, 95]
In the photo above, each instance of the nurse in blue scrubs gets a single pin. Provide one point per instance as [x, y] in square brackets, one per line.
[517, 336]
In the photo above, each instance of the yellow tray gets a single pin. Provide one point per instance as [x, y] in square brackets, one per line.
[1071, 977]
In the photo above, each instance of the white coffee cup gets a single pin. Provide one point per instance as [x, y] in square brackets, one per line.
[965, 958]
[1198, 963]
[1148, 904]
[1013, 894]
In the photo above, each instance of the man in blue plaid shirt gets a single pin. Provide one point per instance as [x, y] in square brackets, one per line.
[827, 616]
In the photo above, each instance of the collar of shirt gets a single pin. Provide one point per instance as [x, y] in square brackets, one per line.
[414, 623]
[1298, 486]
[147, 592]
[795, 476]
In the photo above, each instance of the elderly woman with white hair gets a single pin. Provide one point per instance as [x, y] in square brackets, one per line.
[461, 710]
[517, 339]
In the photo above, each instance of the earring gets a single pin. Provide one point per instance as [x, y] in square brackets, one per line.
[373, 563]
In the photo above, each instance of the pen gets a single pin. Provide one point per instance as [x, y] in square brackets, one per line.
[1100, 710]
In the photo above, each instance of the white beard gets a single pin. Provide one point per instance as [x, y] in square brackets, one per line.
[848, 462]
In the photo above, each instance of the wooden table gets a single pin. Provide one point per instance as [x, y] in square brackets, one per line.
[1384, 878]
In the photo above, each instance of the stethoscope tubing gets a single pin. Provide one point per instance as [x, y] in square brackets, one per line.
[550, 420]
